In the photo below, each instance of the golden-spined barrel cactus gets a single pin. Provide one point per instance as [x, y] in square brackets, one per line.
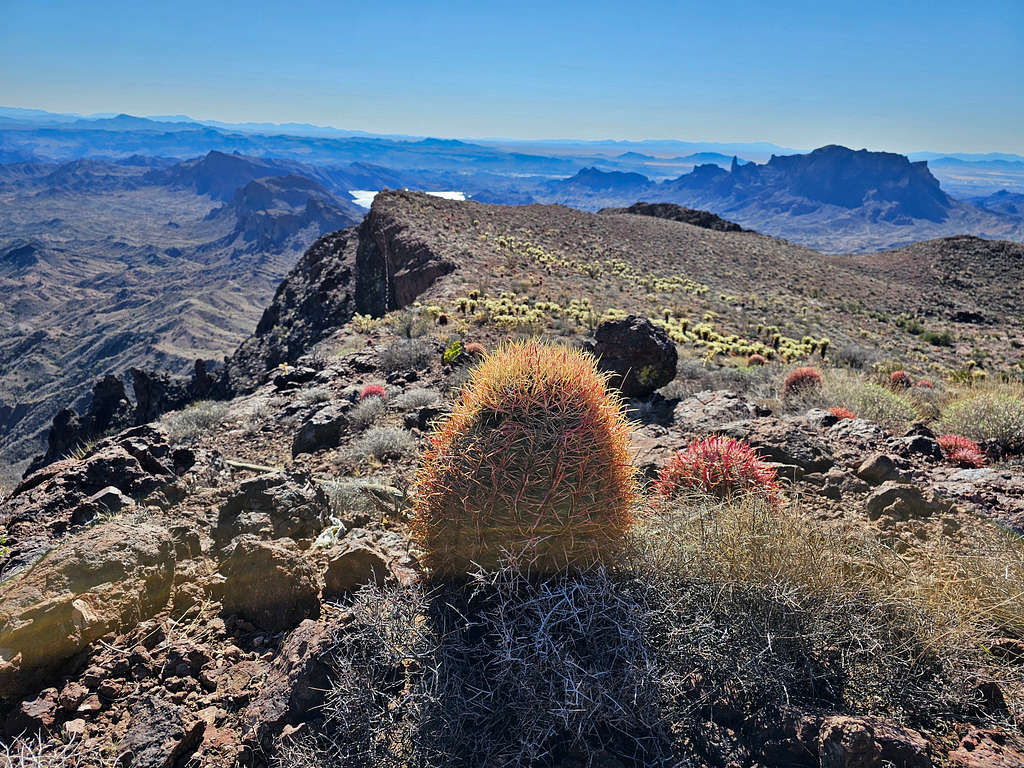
[533, 461]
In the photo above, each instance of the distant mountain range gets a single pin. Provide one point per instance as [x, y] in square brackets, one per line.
[126, 241]
[141, 262]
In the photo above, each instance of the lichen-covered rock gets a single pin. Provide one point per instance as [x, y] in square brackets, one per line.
[104, 579]
[640, 356]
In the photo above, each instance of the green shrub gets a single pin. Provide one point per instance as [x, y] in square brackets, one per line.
[889, 409]
[937, 339]
[994, 414]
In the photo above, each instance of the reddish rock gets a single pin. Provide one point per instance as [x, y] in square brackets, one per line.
[982, 748]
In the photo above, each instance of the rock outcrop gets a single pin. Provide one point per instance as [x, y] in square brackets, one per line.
[104, 579]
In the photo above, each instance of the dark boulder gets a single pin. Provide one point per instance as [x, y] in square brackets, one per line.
[639, 355]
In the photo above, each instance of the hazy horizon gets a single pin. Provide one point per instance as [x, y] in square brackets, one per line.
[912, 77]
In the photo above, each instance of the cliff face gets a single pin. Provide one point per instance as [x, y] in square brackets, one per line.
[373, 268]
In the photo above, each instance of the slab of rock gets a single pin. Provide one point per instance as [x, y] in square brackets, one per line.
[292, 376]
[819, 418]
[106, 578]
[274, 505]
[159, 734]
[59, 498]
[324, 429]
[269, 584]
[781, 442]
[640, 356]
[704, 411]
[351, 566]
[902, 502]
[295, 685]
[985, 748]
[855, 742]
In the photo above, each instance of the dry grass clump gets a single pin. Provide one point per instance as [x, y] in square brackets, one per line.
[384, 443]
[313, 395]
[190, 423]
[992, 413]
[417, 397]
[534, 454]
[851, 391]
[406, 354]
[365, 412]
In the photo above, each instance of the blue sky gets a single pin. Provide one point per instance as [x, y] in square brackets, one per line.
[901, 76]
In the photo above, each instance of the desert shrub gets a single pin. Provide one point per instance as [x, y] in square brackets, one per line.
[373, 390]
[868, 400]
[992, 414]
[721, 467]
[313, 395]
[417, 397]
[961, 451]
[365, 412]
[384, 443]
[719, 616]
[36, 752]
[854, 356]
[535, 454]
[410, 324]
[842, 413]
[452, 352]
[406, 354]
[900, 380]
[801, 381]
[197, 419]
[937, 339]
[504, 671]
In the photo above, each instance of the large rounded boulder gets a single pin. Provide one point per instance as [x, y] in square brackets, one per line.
[640, 356]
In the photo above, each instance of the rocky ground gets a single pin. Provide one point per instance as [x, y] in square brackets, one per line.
[170, 593]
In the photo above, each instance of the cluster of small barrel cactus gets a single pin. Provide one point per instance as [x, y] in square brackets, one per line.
[718, 466]
[842, 413]
[961, 451]
[533, 461]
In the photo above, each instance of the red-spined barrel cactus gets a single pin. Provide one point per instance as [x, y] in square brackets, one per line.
[842, 413]
[718, 466]
[961, 451]
[900, 380]
[533, 460]
[373, 390]
[801, 381]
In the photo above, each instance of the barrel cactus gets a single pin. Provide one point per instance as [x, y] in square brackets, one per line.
[533, 461]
